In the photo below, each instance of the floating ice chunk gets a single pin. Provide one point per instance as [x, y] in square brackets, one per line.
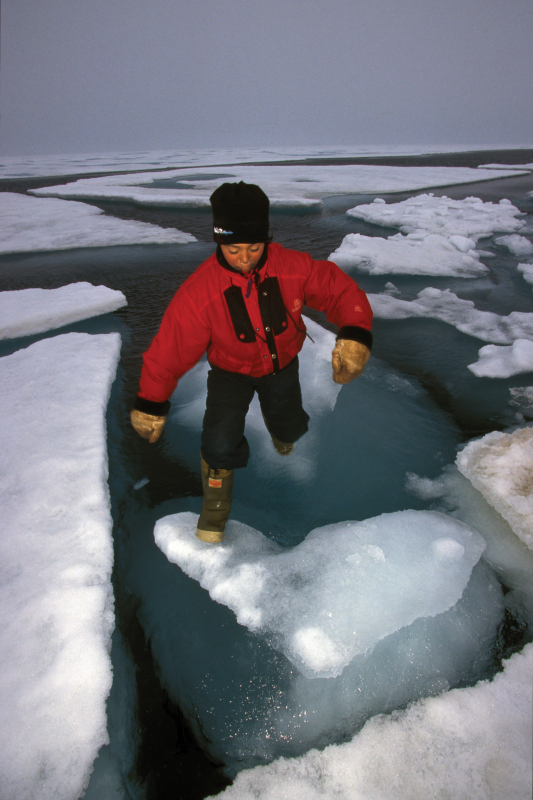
[462, 314]
[56, 557]
[527, 271]
[471, 217]
[517, 244]
[30, 311]
[339, 592]
[31, 224]
[473, 742]
[500, 466]
[503, 362]
[414, 254]
[139, 484]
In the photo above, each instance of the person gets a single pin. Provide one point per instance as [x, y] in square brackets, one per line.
[243, 306]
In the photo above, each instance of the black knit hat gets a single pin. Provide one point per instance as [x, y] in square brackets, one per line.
[240, 214]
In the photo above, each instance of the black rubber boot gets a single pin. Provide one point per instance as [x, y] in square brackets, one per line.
[218, 486]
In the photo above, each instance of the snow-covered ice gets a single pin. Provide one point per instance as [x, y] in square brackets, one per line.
[415, 254]
[286, 186]
[518, 245]
[79, 163]
[503, 362]
[471, 218]
[527, 271]
[444, 305]
[470, 743]
[500, 466]
[31, 224]
[56, 557]
[29, 311]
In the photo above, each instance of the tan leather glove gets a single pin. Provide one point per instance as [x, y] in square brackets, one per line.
[348, 360]
[147, 425]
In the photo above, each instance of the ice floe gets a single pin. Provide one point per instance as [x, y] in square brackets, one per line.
[502, 362]
[414, 254]
[500, 466]
[518, 245]
[471, 217]
[444, 305]
[56, 557]
[29, 311]
[287, 186]
[527, 271]
[318, 601]
[31, 224]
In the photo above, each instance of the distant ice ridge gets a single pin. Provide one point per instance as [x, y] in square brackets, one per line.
[78, 163]
[56, 558]
[313, 601]
[470, 218]
[30, 311]
[287, 186]
[35, 224]
[468, 743]
[444, 305]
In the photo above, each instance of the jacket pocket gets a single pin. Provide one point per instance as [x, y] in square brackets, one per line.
[240, 319]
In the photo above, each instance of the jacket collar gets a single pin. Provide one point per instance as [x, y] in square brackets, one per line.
[259, 266]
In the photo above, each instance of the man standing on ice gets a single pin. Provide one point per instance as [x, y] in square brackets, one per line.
[243, 307]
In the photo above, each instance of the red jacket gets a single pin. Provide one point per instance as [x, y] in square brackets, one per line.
[250, 325]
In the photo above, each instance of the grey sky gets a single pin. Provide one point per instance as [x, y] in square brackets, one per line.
[110, 75]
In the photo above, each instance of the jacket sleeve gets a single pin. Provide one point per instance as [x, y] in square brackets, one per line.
[180, 343]
[330, 290]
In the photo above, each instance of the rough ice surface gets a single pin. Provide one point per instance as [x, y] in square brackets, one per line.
[517, 244]
[472, 743]
[313, 600]
[286, 186]
[444, 305]
[30, 311]
[527, 271]
[471, 218]
[502, 362]
[415, 254]
[56, 557]
[30, 224]
[500, 466]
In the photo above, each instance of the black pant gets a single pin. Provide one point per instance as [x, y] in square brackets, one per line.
[229, 395]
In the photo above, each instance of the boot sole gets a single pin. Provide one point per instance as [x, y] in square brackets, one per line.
[214, 537]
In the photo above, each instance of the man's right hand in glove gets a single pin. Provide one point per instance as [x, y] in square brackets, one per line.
[149, 426]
